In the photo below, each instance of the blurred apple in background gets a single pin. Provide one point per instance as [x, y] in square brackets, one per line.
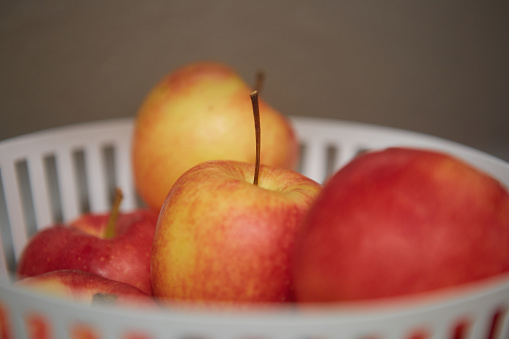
[220, 238]
[122, 255]
[402, 221]
[197, 113]
[86, 287]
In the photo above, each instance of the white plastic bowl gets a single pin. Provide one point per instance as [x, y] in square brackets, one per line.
[58, 174]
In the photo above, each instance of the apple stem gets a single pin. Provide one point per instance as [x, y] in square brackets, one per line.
[260, 79]
[256, 113]
[109, 232]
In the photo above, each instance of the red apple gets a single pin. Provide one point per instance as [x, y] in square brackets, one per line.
[199, 112]
[220, 238]
[402, 221]
[84, 245]
[86, 287]
[5, 324]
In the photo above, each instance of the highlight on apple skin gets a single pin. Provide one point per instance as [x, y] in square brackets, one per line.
[222, 240]
[402, 221]
[199, 112]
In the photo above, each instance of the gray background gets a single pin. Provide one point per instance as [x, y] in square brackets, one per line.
[438, 67]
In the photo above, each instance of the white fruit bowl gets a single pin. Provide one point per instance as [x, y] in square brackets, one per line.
[58, 174]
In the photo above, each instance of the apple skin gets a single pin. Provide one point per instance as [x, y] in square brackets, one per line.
[81, 246]
[83, 286]
[401, 221]
[202, 111]
[220, 240]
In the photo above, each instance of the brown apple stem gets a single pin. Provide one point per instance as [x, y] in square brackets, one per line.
[256, 113]
[259, 81]
[109, 232]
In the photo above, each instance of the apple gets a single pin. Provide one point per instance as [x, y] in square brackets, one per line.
[86, 287]
[5, 325]
[120, 251]
[401, 221]
[199, 112]
[222, 239]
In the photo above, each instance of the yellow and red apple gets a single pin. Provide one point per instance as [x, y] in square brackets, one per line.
[222, 239]
[200, 112]
[402, 221]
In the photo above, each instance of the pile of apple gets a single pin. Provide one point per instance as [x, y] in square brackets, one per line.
[228, 220]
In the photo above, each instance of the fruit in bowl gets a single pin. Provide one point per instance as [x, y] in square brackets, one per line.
[402, 221]
[114, 245]
[87, 288]
[199, 112]
[222, 239]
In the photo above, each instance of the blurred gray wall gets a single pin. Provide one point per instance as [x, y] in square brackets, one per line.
[438, 67]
